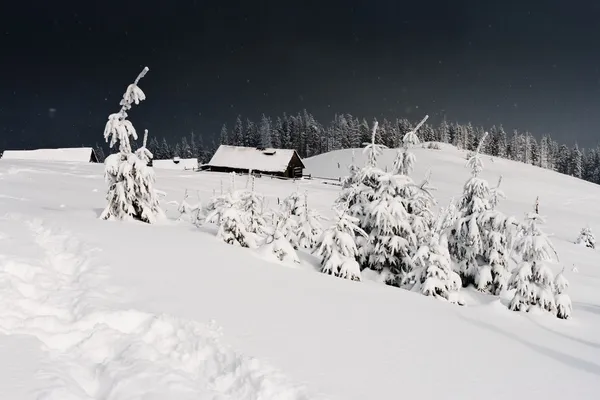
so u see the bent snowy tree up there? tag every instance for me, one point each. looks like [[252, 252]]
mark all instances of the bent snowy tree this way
[[131, 193]]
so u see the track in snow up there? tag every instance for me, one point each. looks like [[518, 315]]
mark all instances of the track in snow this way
[[51, 287]]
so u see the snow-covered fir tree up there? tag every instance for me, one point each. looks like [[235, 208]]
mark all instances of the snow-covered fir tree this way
[[478, 242], [276, 242], [432, 274], [391, 241], [417, 199], [465, 242], [586, 238], [309, 228], [497, 231], [337, 247], [564, 308], [533, 280], [131, 193]]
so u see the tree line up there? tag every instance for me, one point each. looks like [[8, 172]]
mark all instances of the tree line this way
[[309, 137]]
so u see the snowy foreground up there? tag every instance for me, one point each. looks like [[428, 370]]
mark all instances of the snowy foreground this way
[[91, 309]]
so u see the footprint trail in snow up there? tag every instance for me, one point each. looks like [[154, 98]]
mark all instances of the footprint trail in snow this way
[[52, 288]]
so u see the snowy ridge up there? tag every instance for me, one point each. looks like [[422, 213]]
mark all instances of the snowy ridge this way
[[101, 350]]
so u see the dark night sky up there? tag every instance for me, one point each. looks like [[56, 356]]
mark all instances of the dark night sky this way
[[532, 65]]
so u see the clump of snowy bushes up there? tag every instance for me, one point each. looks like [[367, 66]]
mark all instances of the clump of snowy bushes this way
[[384, 223]]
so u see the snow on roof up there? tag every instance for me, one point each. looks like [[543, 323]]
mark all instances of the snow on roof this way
[[176, 163], [77, 154], [267, 160]]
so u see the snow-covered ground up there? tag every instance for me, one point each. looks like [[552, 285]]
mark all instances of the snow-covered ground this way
[[93, 309]]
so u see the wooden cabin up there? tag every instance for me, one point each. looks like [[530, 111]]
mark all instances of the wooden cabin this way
[[278, 162]]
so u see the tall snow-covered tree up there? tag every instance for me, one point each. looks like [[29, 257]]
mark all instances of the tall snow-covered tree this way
[[465, 242], [544, 161], [252, 136], [563, 159], [444, 132], [576, 162], [165, 150], [131, 193], [479, 241], [337, 248], [224, 135], [186, 149], [237, 136], [533, 279], [264, 131]]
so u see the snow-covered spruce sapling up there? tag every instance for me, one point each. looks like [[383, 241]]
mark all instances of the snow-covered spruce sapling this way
[[309, 228], [359, 187], [586, 238], [432, 274], [496, 194], [191, 212], [405, 160], [497, 231], [564, 308], [337, 247], [533, 279], [292, 204], [252, 204], [373, 150], [225, 211], [477, 242], [277, 244], [131, 193], [391, 239]]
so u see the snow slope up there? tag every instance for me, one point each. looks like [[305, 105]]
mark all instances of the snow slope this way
[[131, 311]]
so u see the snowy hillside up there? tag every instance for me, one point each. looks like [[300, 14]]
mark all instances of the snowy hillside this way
[[96, 309]]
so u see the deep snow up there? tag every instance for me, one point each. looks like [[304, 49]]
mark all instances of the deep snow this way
[[125, 310]]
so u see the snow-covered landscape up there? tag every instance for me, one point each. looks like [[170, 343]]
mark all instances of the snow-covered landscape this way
[[349, 201], [96, 309]]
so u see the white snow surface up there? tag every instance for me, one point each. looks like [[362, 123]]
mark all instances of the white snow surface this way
[[75, 154], [93, 309], [178, 164], [266, 160]]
